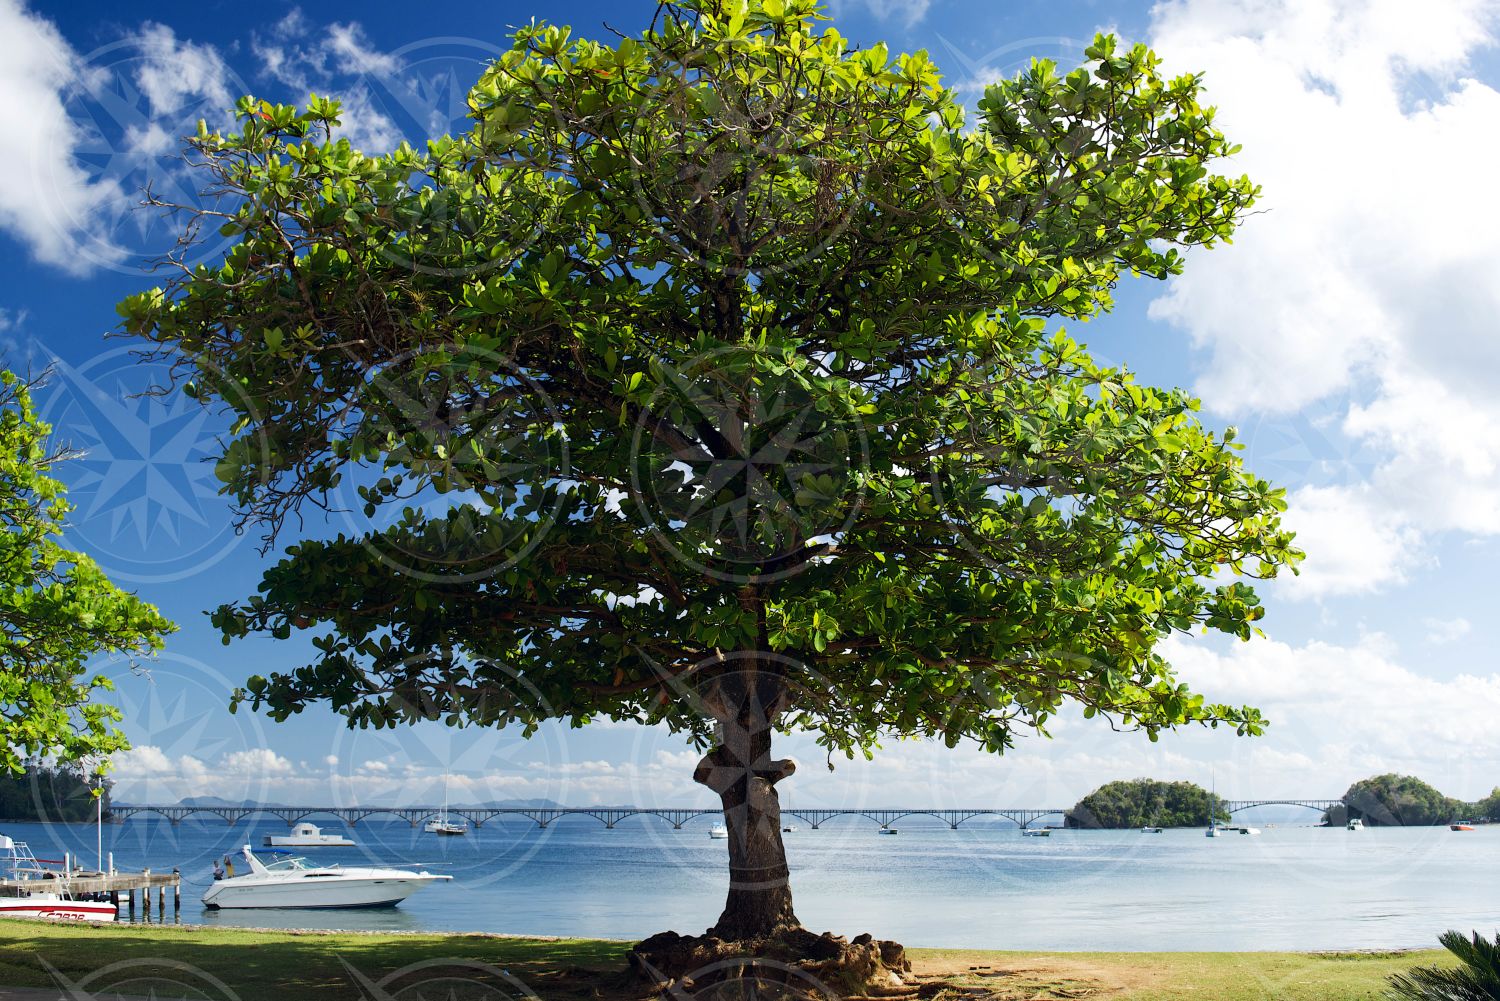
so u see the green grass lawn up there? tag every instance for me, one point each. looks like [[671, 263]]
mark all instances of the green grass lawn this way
[[187, 962]]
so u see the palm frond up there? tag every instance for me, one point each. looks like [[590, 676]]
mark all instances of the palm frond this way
[[1476, 979]]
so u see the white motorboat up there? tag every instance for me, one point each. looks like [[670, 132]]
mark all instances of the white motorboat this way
[[1036, 832], [291, 882], [1248, 830], [49, 897], [1150, 830], [307, 836], [719, 832], [1355, 824]]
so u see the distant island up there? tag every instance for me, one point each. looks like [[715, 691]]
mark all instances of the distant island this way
[[1146, 803], [1406, 801], [1389, 800]]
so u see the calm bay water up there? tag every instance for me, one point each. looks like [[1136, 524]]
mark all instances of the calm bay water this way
[[978, 887]]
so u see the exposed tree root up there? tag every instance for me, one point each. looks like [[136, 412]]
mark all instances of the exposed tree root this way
[[792, 964]]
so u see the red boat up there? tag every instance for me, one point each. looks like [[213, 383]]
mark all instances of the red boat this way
[[1460, 827], [30, 890]]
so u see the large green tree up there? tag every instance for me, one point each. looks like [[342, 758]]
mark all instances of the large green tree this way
[[58, 610], [713, 379]]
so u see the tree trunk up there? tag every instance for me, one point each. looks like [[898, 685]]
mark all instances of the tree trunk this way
[[758, 938], [741, 771]]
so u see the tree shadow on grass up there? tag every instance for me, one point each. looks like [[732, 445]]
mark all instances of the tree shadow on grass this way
[[105, 961]]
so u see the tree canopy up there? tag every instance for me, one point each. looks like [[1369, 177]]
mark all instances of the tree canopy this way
[[57, 608], [1147, 802], [716, 378], [50, 792]]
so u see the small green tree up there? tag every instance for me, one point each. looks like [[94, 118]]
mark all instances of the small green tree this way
[[709, 381], [57, 608]]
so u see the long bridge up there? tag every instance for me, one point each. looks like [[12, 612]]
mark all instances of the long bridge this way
[[609, 816]]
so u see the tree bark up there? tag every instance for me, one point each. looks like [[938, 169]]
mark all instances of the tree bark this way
[[744, 776], [758, 939]]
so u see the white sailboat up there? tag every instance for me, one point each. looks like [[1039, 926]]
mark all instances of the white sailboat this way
[[1214, 829], [442, 824]]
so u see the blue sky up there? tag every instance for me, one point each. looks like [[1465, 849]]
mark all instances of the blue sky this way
[[1348, 333]]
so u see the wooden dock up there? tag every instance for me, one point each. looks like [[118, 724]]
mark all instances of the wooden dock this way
[[109, 885]]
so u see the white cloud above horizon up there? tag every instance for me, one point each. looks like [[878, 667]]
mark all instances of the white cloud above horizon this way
[[1366, 280], [1338, 713]]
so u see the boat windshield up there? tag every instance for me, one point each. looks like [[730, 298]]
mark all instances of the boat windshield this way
[[288, 864]]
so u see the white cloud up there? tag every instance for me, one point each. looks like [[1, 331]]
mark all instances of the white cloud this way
[[905, 12], [124, 106], [1440, 631], [1368, 279], [44, 196], [355, 52], [296, 54], [1355, 710], [173, 73], [256, 762], [1354, 543]]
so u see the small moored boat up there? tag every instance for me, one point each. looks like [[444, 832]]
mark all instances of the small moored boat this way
[[719, 832], [307, 836], [1461, 825], [35, 891], [448, 828], [1354, 824], [1150, 830], [1036, 832], [887, 830]]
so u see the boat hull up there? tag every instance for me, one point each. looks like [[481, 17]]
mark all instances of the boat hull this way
[[53, 908], [314, 894], [272, 841]]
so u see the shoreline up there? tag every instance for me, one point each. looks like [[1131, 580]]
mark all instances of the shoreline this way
[[324, 965]]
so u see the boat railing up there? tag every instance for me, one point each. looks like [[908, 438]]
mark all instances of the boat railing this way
[[18, 862]]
